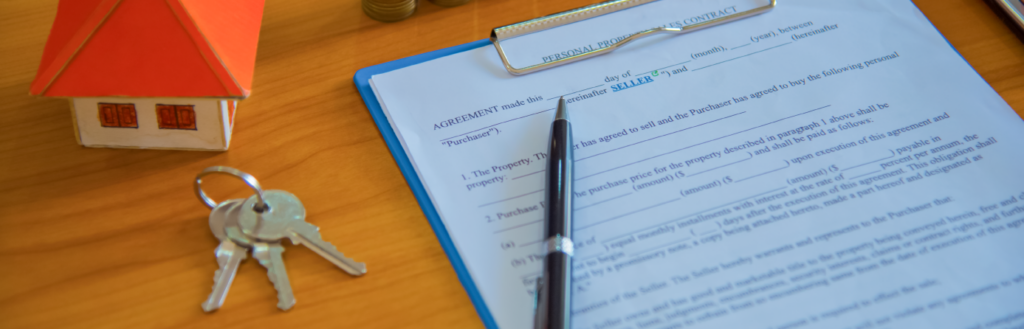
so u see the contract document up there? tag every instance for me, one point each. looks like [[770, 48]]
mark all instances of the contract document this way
[[827, 164]]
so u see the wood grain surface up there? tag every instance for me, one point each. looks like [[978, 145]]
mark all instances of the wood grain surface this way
[[109, 238]]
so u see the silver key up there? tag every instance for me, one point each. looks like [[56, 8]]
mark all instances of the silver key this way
[[286, 218], [269, 255], [218, 217], [229, 256], [233, 231]]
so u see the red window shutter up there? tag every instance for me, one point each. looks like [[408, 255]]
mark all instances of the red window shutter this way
[[108, 115], [126, 113], [166, 117], [186, 117]]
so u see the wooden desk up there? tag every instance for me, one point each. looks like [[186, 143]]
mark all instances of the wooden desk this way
[[115, 238]]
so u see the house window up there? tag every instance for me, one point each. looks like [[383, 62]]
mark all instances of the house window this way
[[118, 115], [176, 116]]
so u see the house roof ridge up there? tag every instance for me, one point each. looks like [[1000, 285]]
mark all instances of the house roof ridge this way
[[45, 77], [206, 49]]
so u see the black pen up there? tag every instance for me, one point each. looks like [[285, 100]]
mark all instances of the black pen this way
[[554, 289]]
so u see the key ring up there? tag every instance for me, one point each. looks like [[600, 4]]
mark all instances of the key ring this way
[[248, 179]]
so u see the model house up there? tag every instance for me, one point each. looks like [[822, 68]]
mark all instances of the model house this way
[[151, 73]]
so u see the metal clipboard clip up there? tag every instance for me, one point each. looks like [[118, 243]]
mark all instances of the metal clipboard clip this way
[[583, 13]]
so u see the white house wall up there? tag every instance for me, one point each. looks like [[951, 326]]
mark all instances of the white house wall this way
[[210, 133], [229, 120]]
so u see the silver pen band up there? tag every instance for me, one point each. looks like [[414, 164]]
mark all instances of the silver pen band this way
[[559, 243]]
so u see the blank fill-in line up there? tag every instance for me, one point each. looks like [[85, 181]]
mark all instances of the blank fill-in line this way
[[870, 162], [530, 243], [735, 58], [764, 173], [535, 172], [751, 157], [740, 46], [578, 91], [602, 201], [687, 216], [518, 226], [701, 143], [503, 200], [628, 213], [876, 171]]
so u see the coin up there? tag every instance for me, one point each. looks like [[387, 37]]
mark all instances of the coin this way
[[389, 10]]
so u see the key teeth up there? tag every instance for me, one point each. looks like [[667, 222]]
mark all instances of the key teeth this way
[[216, 277], [313, 238], [208, 305], [284, 301], [359, 267], [229, 256]]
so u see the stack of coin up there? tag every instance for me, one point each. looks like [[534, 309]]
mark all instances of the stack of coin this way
[[449, 3], [389, 10]]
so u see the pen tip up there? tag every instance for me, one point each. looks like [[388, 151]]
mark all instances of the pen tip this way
[[563, 110]]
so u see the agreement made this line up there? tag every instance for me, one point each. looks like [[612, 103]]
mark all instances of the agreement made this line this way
[[578, 91], [506, 121]]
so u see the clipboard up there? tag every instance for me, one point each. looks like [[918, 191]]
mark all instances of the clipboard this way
[[362, 81]]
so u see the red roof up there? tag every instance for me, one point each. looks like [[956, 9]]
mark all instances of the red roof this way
[[150, 48]]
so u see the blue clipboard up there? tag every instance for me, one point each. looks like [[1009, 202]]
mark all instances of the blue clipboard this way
[[362, 80]]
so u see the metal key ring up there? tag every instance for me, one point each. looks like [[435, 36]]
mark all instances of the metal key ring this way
[[248, 179]]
